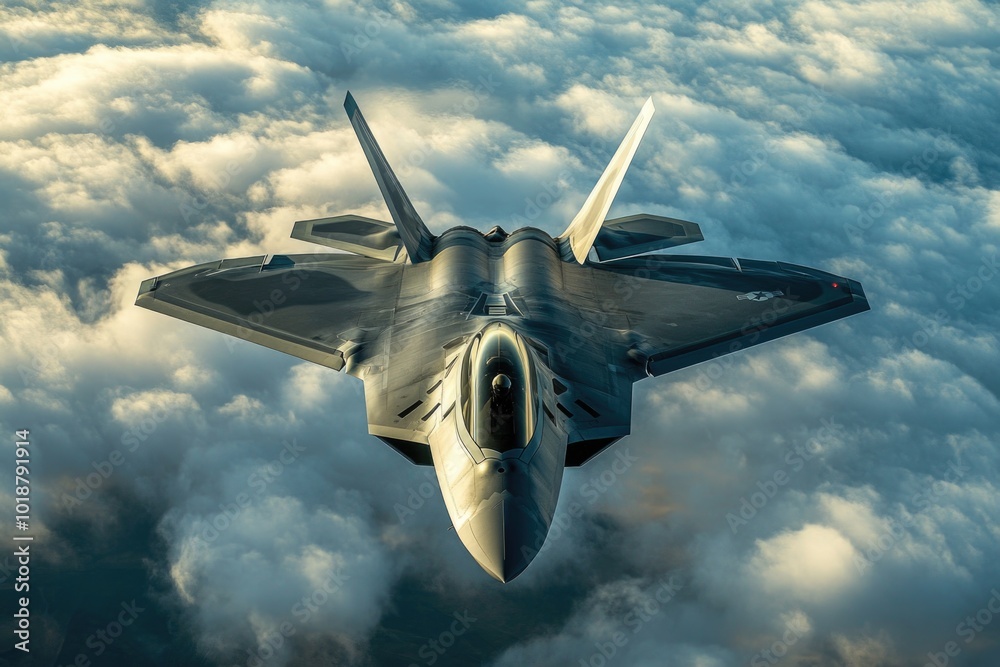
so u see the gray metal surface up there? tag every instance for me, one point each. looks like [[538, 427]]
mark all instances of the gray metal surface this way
[[431, 323]]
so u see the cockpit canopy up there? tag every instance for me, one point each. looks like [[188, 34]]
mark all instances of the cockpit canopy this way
[[498, 390]]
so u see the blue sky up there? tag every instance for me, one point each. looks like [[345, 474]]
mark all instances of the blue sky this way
[[859, 138]]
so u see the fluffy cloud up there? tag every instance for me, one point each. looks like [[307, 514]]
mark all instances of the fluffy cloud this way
[[138, 138]]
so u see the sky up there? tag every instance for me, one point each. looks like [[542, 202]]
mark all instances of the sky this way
[[830, 498]]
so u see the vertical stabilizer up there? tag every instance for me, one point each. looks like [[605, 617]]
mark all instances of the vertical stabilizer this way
[[417, 239], [587, 223]]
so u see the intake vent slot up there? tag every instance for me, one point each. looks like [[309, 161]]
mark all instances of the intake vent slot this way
[[409, 409], [558, 387], [591, 411], [548, 413], [563, 410], [453, 342], [428, 415]]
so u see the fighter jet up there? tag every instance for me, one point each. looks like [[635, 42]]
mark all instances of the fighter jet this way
[[501, 358]]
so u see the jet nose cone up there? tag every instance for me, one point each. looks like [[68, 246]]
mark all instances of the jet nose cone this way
[[504, 538]]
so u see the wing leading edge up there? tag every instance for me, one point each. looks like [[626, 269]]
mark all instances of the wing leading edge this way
[[683, 310], [628, 236], [309, 306], [416, 238], [584, 228]]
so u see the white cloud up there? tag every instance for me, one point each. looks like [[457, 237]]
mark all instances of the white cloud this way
[[813, 563], [858, 138]]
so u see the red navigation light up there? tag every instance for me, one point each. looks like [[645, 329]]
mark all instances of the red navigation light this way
[[835, 284]]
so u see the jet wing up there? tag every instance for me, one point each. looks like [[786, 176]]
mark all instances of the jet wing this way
[[316, 307], [682, 310], [341, 311]]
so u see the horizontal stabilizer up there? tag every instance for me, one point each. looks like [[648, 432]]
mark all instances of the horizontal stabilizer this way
[[639, 234], [417, 239], [353, 233]]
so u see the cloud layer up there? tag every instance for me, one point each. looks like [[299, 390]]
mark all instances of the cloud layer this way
[[829, 499]]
